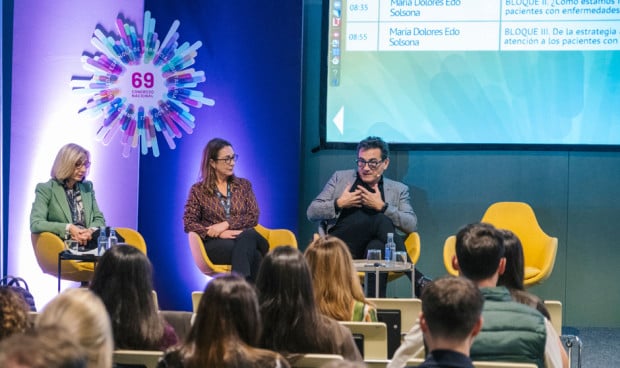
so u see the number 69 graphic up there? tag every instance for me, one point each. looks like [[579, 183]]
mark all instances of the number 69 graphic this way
[[137, 80]]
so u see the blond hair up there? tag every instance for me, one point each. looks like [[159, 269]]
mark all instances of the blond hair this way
[[84, 316], [67, 159], [335, 281]]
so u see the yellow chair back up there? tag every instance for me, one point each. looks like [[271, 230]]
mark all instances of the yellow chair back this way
[[132, 237], [375, 337], [539, 249], [146, 358]]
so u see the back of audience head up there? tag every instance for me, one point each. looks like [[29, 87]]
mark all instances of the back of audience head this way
[[84, 316], [513, 275], [479, 251], [227, 315], [227, 327], [123, 279], [335, 281], [13, 312], [44, 347], [287, 302], [451, 310]]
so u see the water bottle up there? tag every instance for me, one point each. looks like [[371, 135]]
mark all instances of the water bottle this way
[[390, 248], [112, 239], [102, 241]]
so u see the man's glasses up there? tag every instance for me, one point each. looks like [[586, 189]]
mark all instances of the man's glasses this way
[[79, 164], [228, 159], [372, 164]]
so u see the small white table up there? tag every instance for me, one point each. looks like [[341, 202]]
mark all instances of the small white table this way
[[368, 266]]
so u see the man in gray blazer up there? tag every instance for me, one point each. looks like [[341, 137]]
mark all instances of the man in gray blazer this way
[[361, 207]]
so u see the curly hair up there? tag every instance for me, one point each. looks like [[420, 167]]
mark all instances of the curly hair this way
[[13, 312]]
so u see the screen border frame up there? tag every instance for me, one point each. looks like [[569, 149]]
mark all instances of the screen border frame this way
[[324, 144]]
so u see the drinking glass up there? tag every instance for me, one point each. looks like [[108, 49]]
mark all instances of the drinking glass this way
[[72, 246], [373, 255], [401, 257]]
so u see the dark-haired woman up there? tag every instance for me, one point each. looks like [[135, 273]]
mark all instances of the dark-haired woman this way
[[292, 322], [222, 210], [123, 279], [226, 330]]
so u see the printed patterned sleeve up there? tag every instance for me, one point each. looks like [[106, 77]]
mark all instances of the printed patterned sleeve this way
[[192, 217]]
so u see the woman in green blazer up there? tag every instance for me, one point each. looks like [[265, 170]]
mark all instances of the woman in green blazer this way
[[66, 205]]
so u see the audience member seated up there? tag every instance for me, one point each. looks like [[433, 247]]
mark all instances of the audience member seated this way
[[511, 332], [226, 330], [44, 347], [337, 289], [66, 205], [123, 279], [83, 315], [450, 319], [292, 323], [513, 276], [13, 312], [222, 210]]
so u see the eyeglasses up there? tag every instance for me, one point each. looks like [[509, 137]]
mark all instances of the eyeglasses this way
[[372, 164], [228, 159], [79, 164]]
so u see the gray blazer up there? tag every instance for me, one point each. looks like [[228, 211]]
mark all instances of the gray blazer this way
[[396, 195]]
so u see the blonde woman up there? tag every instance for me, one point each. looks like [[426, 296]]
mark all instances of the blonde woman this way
[[66, 205], [82, 314], [337, 289]]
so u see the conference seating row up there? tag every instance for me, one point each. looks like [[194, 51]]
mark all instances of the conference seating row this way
[[376, 341], [379, 340], [180, 321], [539, 249]]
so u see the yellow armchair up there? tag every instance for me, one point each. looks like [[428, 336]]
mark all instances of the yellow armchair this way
[[47, 246], [275, 237], [539, 249]]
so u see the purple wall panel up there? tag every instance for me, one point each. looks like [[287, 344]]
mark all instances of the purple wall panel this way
[[49, 40]]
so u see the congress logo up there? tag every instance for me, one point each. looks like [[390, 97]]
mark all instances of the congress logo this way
[[141, 87]]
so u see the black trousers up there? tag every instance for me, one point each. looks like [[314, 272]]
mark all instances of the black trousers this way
[[244, 253], [364, 229]]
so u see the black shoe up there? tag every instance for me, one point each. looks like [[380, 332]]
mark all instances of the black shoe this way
[[420, 284]]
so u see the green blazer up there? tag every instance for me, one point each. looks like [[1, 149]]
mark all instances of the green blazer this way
[[50, 209]]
